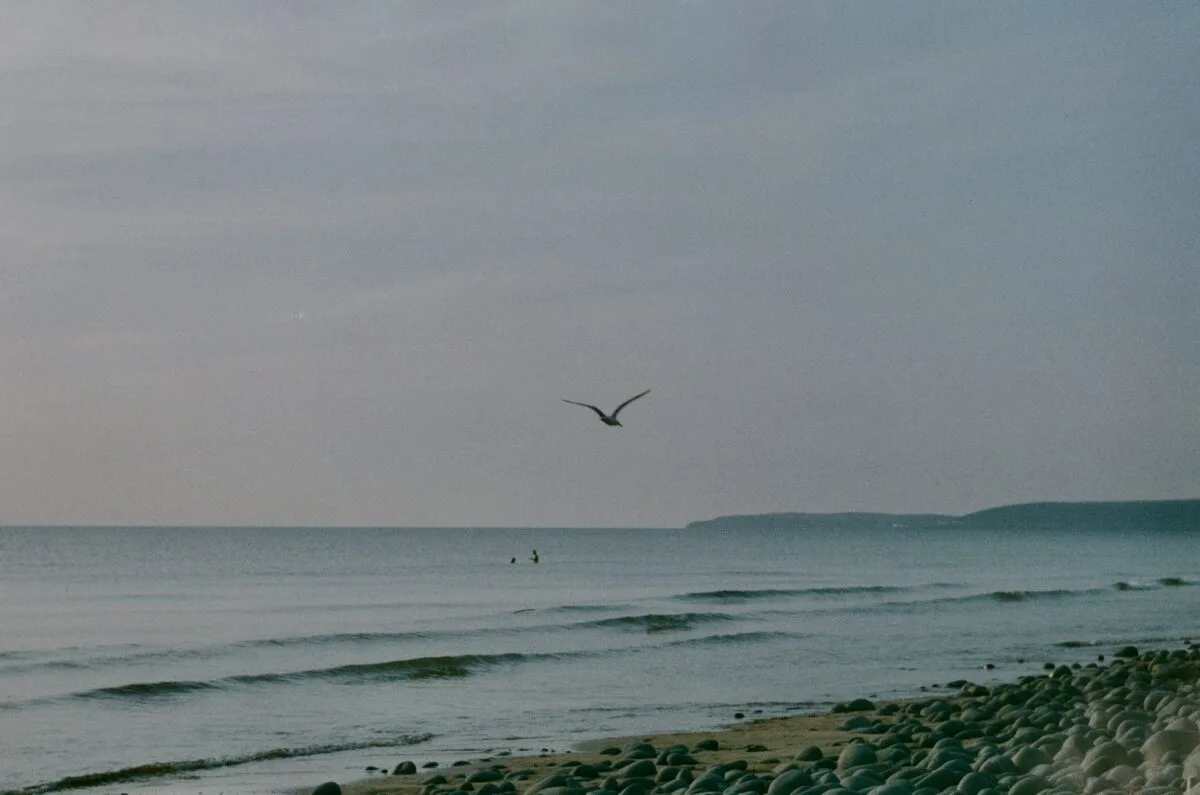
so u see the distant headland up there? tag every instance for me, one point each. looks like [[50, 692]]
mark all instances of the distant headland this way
[[1132, 515]]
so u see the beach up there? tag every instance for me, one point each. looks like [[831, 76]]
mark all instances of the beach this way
[[236, 660], [736, 742], [1129, 725]]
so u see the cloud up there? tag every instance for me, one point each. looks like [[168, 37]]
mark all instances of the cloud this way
[[292, 263]]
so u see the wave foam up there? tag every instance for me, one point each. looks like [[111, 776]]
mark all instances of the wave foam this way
[[164, 769]]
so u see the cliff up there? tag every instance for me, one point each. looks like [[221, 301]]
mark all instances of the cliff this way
[[1132, 515]]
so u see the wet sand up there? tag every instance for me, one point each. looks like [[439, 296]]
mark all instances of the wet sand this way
[[779, 737], [1131, 725]]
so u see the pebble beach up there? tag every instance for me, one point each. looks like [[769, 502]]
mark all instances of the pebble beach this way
[[1128, 724]]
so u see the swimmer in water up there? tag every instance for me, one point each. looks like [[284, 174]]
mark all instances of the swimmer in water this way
[[534, 556]]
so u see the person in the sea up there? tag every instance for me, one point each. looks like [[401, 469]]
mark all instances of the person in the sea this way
[[534, 556], [514, 560]]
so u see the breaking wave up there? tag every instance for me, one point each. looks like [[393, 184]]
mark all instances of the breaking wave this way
[[660, 622], [732, 595], [414, 669], [736, 638], [164, 769]]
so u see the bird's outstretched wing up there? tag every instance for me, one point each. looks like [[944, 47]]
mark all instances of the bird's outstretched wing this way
[[627, 402], [586, 406]]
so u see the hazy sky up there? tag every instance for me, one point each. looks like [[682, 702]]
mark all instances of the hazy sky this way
[[338, 263]]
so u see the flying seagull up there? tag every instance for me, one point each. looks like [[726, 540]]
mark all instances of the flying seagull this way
[[608, 419]]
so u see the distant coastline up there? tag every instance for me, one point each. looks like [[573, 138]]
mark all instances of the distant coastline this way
[[1132, 515]]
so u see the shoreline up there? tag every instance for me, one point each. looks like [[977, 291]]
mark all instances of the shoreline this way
[[734, 741], [1048, 732]]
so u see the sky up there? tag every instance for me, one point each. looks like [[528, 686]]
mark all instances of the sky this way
[[298, 263]]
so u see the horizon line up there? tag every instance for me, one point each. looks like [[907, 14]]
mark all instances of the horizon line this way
[[258, 526]]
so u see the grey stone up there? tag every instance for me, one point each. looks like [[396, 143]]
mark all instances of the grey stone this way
[[790, 781], [1027, 735], [1131, 716], [1164, 775], [1029, 757], [1071, 778], [1047, 771], [709, 782], [974, 783], [1103, 757], [664, 753], [1183, 724], [485, 775], [1073, 749], [1175, 741], [997, 766], [937, 710], [585, 771], [547, 782], [1191, 769], [896, 754], [639, 751], [906, 773], [640, 767], [1028, 785], [900, 787], [943, 776], [1121, 777], [404, 769], [750, 784], [856, 754], [861, 780], [950, 728]]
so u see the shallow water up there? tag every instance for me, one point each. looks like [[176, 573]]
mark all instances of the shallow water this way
[[251, 660]]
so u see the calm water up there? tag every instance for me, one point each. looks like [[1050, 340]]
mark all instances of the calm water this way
[[254, 660]]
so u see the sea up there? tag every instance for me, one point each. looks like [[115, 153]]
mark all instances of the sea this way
[[158, 660]]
